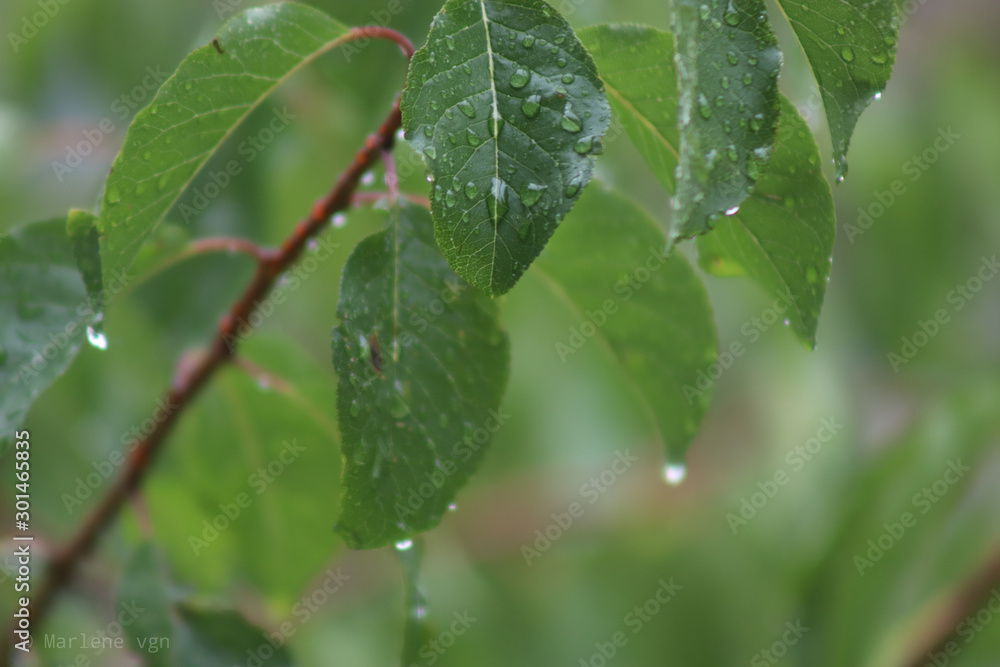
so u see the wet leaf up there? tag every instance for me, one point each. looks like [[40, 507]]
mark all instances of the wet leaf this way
[[506, 107], [43, 316], [727, 78], [196, 109], [422, 365], [851, 46], [651, 310], [783, 234]]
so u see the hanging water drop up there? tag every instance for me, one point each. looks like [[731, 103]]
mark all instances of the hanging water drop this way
[[674, 473], [97, 338], [404, 545], [732, 211], [368, 178], [339, 221]]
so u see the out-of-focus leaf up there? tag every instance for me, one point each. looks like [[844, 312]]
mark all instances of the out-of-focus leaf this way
[[198, 636], [783, 234], [651, 310], [228, 512], [196, 109], [851, 46], [506, 106], [636, 64], [416, 631], [727, 78], [423, 364], [43, 316]]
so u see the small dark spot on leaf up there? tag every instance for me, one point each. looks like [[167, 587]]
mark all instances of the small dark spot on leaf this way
[[376, 353], [218, 47]]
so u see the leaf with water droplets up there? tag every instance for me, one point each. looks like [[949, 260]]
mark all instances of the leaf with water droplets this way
[[783, 234], [443, 354], [851, 47], [81, 227], [196, 109], [716, 54], [537, 109], [636, 65], [43, 315], [650, 309]]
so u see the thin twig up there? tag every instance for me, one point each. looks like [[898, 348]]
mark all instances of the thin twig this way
[[226, 244], [194, 373]]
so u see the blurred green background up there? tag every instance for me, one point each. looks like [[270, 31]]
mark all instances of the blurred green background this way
[[792, 561]]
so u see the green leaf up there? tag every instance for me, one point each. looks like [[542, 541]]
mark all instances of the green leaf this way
[[81, 226], [506, 107], [229, 512], [144, 587], [652, 311], [727, 77], [783, 234], [194, 111], [637, 67], [422, 363], [198, 636], [851, 47], [43, 316]]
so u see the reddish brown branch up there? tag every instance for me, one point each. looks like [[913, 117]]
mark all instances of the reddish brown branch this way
[[941, 636], [193, 372], [226, 244]]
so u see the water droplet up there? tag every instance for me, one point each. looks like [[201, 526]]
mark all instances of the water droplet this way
[[561, 62], [568, 79], [473, 138], [339, 221], [520, 78], [471, 191], [450, 42], [757, 122], [572, 189], [452, 507], [725, 82], [467, 69], [704, 12], [732, 58], [841, 31], [97, 338], [465, 106], [528, 41], [404, 545], [732, 211], [430, 152], [812, 275], [496, 126], [732, 153], [877, 96], [559, 39], [570, 121], [368, 178], [879, 58], [747, 79], [674, 473], [163, 182], [450, 198], [531, 193], [188, 86], [584, 145], [847, 53], [531, 106], [428, 130], [703, 108]]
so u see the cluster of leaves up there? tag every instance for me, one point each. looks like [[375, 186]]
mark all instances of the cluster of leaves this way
[[509, 108]]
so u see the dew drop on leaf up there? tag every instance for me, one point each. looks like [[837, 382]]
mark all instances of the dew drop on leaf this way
[[520, 78], [674, 473]]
